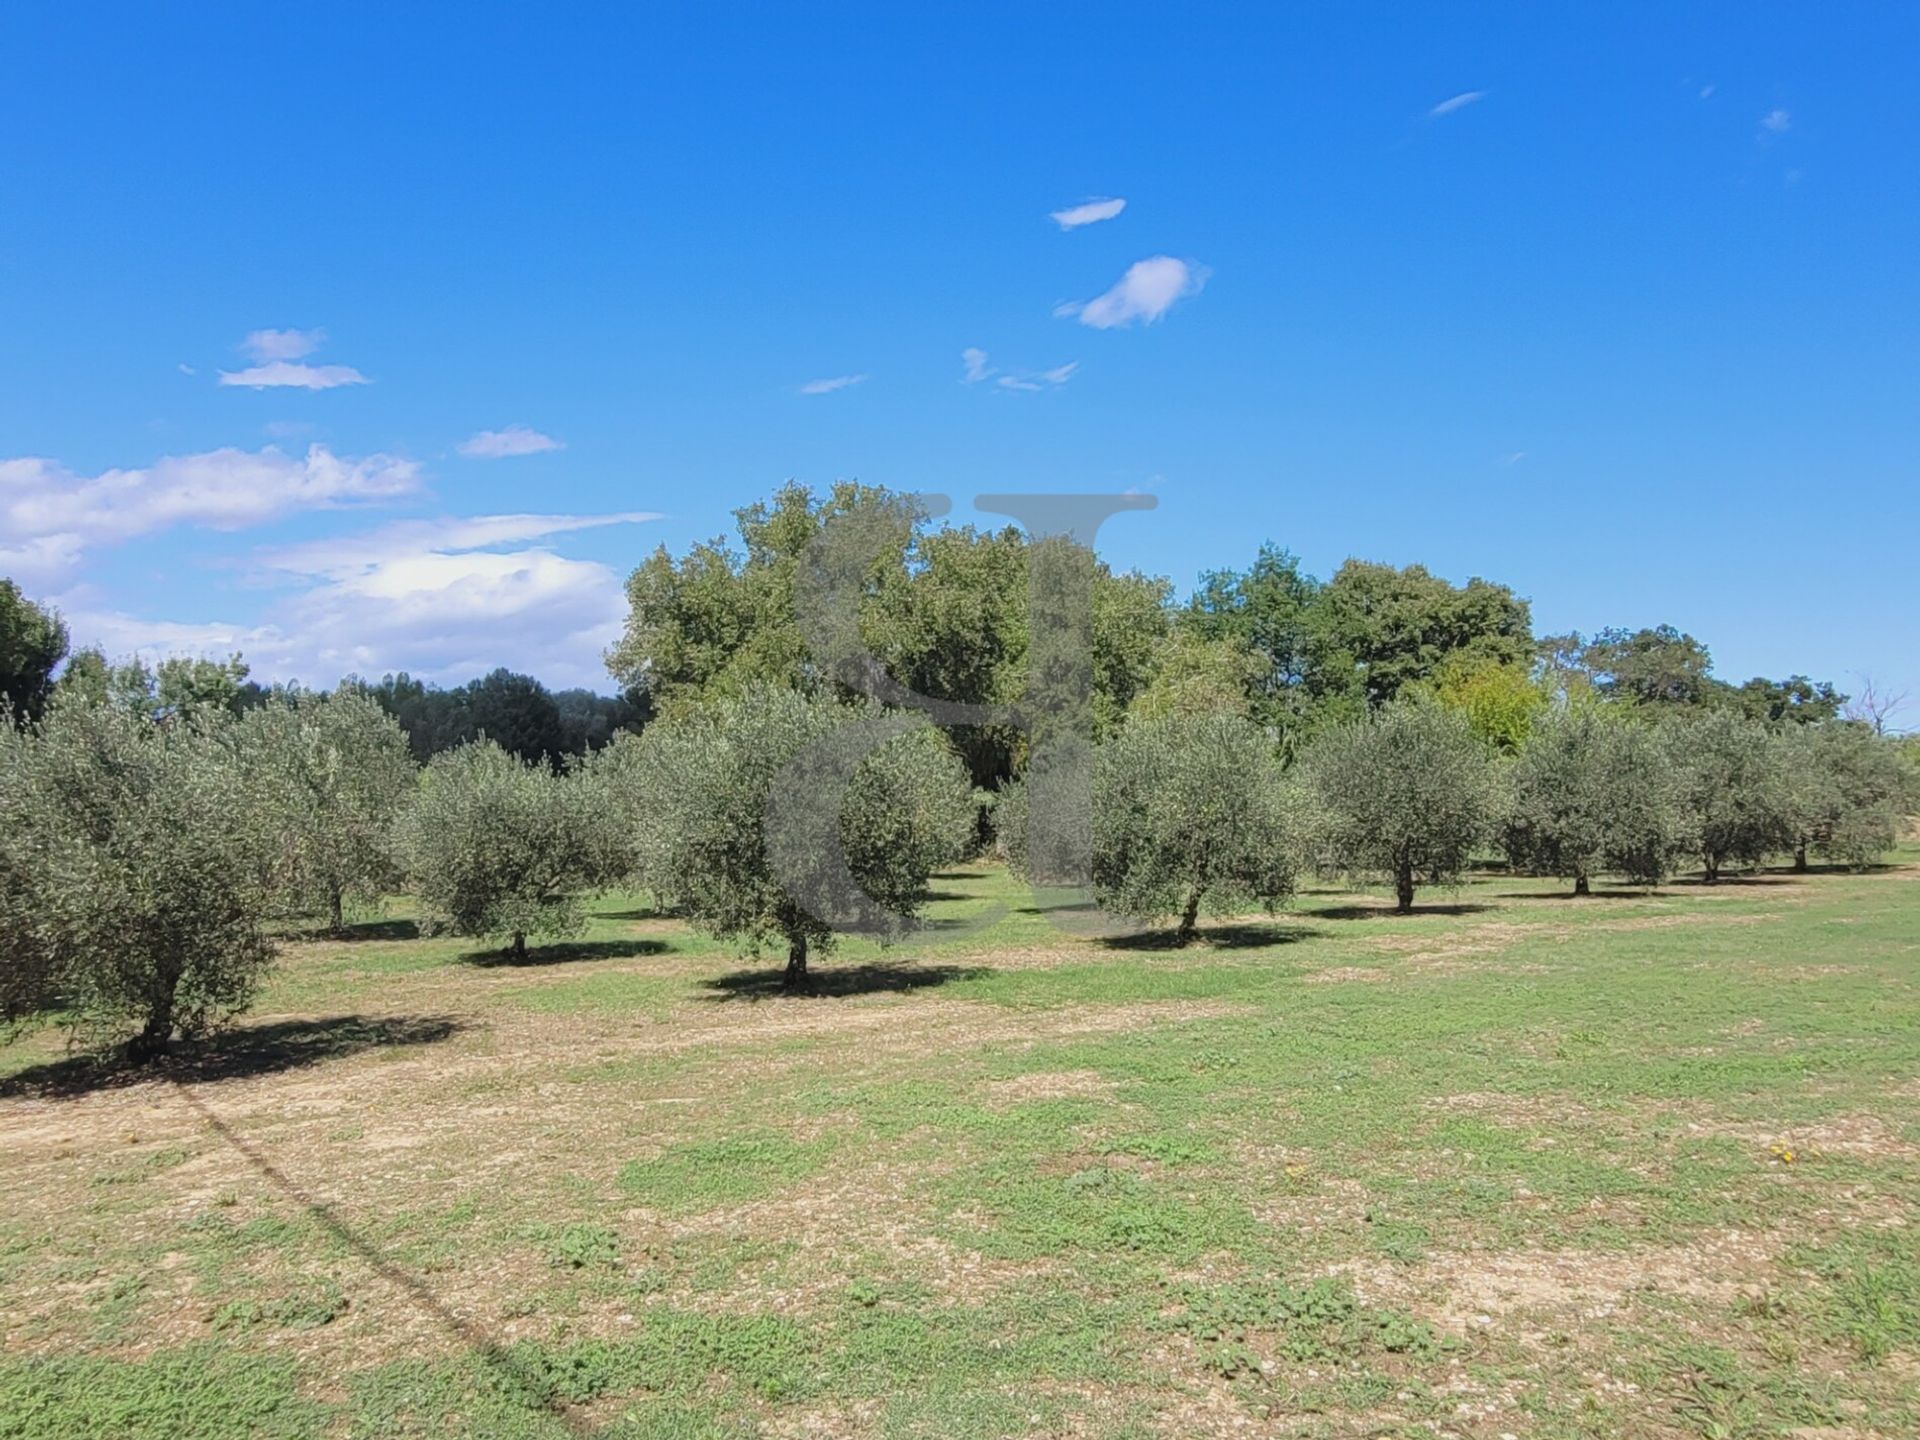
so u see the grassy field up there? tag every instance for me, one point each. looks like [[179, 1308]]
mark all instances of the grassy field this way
[[1642, 1165]]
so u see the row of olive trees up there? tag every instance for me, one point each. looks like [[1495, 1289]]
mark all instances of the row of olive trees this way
[[145, 855], [1193, 813]]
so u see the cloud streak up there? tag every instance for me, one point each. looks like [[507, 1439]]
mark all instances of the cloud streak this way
[[1091, 212], [501, 444], [1145, 293], [828, 386], [1457, 102]]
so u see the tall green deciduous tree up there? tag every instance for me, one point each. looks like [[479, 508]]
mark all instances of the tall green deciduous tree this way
[[1392, 628], [1736, 793], [1593, 794], [33, 641], [1851, 791], [139, 869], [497, 846], [1190, 812], [1403, 795], [1501, 701], [338, 770], [750, 820]]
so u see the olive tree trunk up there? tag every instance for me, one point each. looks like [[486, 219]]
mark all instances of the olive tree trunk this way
[[796, 975], [1403, 887]]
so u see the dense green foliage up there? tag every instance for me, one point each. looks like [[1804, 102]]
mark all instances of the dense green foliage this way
[[746, 838], [516, 712], [1403, 795], [139, 861], [1851, 792], [337, 771], [1190, 812], [1593, 794], [497, 846], [33, 641], [1735, 787]]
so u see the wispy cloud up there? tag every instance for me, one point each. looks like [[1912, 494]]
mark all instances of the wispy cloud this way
[[1039, 379], [352, 554], [1706, 91], [264, 345], [50, 516], [282, 373], [974, 365], [828, 386], [1457, 102], [1090, 212], [1776, 122], [1145, 293], [514, 440], [276, 355]]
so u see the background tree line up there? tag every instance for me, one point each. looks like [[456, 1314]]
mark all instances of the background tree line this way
[[160, 827]]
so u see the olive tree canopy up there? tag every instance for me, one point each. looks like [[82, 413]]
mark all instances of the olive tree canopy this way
[[1593, 793], [745, 836], [500, 846], [1403, 795], [138, 867], [1190, 812]]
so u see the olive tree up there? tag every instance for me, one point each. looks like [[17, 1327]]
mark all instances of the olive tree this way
[[338, 769], [1851, 792], [1190, 812], [1736, 797], [497, 846], [1592, 793], [774, 816], [137, 868], [1403, 795]]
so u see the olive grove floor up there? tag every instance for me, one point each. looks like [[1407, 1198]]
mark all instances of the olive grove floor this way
[[1640, 1165]]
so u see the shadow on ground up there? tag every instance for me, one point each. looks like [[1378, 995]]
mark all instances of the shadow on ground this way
[[835, 982], [1387, 912], [264, 1049], [1567, 897], [566, 953], [1229, 935], [363, 931]]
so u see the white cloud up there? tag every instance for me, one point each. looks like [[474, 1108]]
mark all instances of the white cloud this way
[[976, 368], [284, 373], [428, 597], [1092, 212], [47, 511], [1457, 102], [276, 354], [1706, 91], [264, 345], [1776, 122], [355, 553], [827, 387], [1039, 379], [514, 440], [1145, 293]]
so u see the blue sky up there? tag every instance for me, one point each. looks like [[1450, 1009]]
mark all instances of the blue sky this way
[[1618, 307]]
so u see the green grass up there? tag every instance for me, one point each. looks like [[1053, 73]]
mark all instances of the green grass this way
[[1340, 1170]]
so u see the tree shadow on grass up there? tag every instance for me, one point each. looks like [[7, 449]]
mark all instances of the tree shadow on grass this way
[[1227, 935], [265, 1049], [367, 930], [1387, 912], [836, 982], [1736, 882], [565, 953], [1567, 897]]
